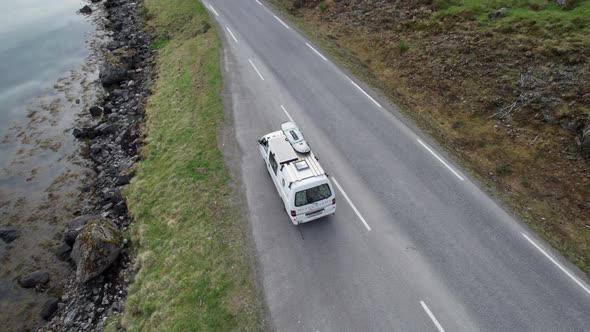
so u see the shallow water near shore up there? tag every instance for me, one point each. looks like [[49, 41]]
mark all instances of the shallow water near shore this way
[[48, 79]]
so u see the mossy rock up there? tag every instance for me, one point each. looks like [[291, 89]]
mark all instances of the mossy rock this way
[[98, 245]]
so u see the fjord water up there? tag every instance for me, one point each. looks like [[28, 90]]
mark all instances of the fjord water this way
[[44, 68], [40, 40]]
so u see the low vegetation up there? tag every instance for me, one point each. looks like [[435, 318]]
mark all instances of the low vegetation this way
[[193, 269], [502, 84]]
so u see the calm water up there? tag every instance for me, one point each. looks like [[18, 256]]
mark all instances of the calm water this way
[[40, 40], [44, 68]]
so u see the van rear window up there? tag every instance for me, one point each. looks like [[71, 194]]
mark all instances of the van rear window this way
[[312, 195]]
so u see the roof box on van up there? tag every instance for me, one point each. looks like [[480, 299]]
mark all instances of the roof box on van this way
[[295, 137]]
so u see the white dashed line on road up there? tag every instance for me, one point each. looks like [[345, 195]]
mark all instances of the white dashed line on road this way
[[253, 66], [213, 10], [431, 315], [351, 204], [366, 94], [283, 23], [440, 159], [316, 52], [232, 34], [287, 113], [563, 269]]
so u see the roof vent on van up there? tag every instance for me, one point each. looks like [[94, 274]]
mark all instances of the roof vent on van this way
[[301, 165]]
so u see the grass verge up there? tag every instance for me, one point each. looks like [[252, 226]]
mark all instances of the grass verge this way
[[193, 269]]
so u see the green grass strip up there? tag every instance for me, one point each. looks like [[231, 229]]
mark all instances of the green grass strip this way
[[192, 257]]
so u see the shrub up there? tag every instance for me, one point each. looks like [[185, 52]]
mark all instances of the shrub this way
[[402, 46], [504, 169]]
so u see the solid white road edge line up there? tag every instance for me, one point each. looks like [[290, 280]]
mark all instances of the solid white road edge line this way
[[563, 269], [232, 35], [316, 52], [440, 159], [351, 204], [213, 10], [252, 63], [289, 116], [429, 313], [260, 3], [366, 94], [283, 23]]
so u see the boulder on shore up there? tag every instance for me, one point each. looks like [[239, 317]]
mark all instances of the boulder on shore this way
[[49, 308], [8, 234], [75, 226], [86, 10], [63, 252], [33, 279], [114, 69], [97, 246], [95, 111]]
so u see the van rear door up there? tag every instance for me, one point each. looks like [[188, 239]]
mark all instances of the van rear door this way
[[313, 198]]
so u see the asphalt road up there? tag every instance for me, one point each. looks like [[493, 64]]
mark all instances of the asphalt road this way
[[415, 245]]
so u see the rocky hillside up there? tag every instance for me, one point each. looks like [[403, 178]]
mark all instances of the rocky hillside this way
[[504, 84]]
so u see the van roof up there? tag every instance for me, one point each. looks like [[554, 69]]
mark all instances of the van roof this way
[[299, 166], [282, 149]]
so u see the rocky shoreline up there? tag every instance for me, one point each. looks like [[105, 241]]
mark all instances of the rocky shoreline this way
[[102, 260]]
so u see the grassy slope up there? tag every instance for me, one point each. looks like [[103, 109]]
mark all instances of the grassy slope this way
[[456, 127], [193, 269], [547, 14]]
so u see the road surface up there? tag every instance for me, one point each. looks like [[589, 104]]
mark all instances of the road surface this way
[[415, 245]]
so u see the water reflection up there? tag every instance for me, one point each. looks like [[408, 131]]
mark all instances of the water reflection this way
[[39, 42]]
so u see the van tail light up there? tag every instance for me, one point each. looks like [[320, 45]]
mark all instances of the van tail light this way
[[334, 201], [293, 213]]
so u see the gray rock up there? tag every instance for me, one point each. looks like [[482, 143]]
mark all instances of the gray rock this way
[[95, 148], [75, 226], [115, 196], [95, 111], [49, 308], [98, 245], [104, 129], [123, 180], [63, 252], [498, 13], [85, 132], [78, 133], [119, 92], [86, 10], [8, 234], [33, 279], [112, 73], [70, 317], [108, 109]]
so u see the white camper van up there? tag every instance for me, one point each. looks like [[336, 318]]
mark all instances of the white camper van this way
[[300, 180]]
